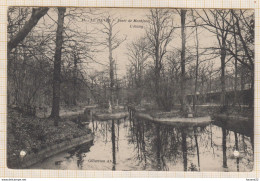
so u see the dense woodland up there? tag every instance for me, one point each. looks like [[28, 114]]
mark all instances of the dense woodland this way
[[48, 60]]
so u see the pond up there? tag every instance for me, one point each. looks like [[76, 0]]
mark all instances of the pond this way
[[143, 145]]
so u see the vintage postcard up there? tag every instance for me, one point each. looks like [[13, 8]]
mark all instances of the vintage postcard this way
[[130, 89]]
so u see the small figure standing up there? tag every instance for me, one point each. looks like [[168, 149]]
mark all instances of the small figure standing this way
[[109, 107], [189, 111], [117, 104]]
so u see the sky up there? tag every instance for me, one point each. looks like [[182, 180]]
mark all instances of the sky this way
[[129, 27], [132, 28]]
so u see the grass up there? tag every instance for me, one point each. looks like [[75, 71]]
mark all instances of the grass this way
[[31, 134]]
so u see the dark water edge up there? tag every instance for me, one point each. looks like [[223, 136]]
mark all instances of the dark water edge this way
[[143, 145]]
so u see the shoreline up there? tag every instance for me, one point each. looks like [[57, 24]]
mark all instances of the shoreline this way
[[31, 159], [173, 116], [40, 139]]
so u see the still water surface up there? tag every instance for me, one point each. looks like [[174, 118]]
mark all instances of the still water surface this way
[[143, 145]]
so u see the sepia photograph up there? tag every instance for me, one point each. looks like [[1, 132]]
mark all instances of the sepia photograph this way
[[130, 89]]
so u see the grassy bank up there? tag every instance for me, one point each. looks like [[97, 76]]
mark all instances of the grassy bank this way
[[201, 110], [32, 134]]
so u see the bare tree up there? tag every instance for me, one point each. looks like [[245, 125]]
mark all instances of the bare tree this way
[[236, 52], [57, 66], [197, 61], [159, 34], [218, 22], [244, 29], [112, 42], [183, 60], [235, 33], [138, 56], [28, 67], [241, 47], [37, 13]]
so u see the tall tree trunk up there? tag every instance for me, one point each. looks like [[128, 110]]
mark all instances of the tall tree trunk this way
[[57, 67], [183, 80], [235, 88], [222, 78], [251, 101], [111, 68], [75, 80], [242, 78], [157, 67], [157, 86], [197, 66], [116, 87]]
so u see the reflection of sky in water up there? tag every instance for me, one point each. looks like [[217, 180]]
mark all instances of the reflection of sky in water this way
[[141, 145]]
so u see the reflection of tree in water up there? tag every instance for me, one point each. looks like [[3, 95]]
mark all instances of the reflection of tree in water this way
[[236, 147], [233, 140], [239, 136], [161, 147], [80, 153], [137, 138], [158, 145], [184, 149], [197, 148], [113, 145], [224, 146], [104, 129], [101, 129]]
